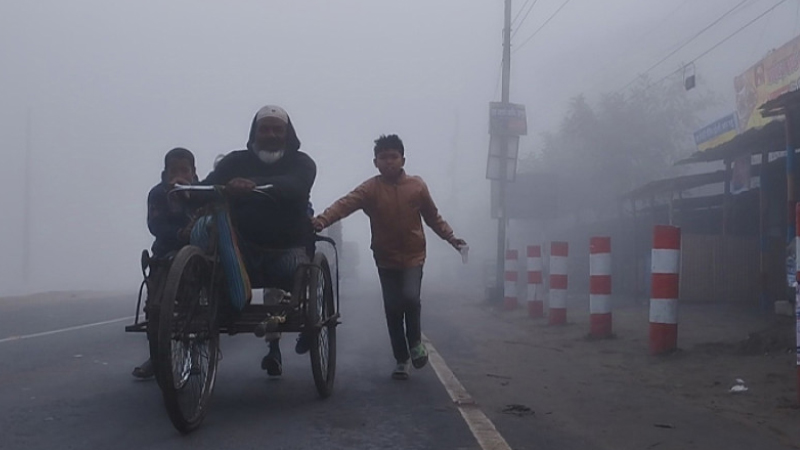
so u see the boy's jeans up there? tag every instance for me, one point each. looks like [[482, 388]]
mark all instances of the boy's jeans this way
[[401, 288]]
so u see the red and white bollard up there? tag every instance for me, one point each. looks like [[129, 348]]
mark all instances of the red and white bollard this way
[[797, 294], [510, 286], [535, 301], [559, 252], [665, 265], [600, 286]]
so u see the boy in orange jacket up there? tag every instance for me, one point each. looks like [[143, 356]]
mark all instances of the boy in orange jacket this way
[[396, 204]]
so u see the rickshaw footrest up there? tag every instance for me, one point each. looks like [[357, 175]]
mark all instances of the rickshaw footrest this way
[[137, 327]]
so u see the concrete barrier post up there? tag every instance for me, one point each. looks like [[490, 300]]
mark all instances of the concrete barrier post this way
[[559, 254], [665, 286], [600, 287]]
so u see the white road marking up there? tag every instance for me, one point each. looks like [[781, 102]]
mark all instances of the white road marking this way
[[482, 428], [64, 330]]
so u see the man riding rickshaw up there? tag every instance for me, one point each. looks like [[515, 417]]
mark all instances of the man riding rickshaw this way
[[275, 230]]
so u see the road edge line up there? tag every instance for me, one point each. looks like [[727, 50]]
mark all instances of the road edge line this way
[[63, 330], [479, 424]]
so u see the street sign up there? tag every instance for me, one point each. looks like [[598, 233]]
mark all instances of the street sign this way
[[507, 119], [494, 165], [494, 169], [496, 150]]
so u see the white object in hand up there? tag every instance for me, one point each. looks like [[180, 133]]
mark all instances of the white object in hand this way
[[464, 250]]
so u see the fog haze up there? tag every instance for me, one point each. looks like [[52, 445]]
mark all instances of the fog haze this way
[[98, 91]]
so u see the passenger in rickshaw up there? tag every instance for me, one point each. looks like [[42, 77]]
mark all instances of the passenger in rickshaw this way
[[274, 231], [169, 221]]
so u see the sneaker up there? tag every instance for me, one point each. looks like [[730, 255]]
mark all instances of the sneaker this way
[[272, 363], [302, 346], [144, 371], [401, 371], [419, 356]]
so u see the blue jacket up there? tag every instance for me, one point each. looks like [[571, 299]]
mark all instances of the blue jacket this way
[[165, 219]]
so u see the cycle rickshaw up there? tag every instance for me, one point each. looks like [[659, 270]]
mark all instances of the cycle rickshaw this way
[[189, 306]]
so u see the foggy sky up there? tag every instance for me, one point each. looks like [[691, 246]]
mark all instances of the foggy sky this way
[[111, 86]]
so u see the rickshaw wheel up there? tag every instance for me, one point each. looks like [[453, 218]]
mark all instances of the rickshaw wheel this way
[[188, 339], [320, 305]]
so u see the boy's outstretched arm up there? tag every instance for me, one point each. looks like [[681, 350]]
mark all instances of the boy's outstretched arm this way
[[343, 207], [431, 216]]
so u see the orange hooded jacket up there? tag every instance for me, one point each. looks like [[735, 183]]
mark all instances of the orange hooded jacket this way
[[395, 212]]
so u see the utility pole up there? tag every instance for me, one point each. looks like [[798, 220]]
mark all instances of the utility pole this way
[[26, 225], [502, 221]]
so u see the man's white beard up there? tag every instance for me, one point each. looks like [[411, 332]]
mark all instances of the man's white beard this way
[[269, 157]]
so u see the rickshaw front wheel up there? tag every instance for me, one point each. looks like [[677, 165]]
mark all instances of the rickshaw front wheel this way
[[188, 338]]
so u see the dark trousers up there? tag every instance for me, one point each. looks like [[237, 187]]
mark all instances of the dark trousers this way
[[401, 288]]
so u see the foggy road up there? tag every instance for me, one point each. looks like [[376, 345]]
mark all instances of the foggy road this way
[[531, 123], [73, 389]]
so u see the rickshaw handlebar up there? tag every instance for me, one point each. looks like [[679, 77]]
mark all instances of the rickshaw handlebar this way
[[193, 187]]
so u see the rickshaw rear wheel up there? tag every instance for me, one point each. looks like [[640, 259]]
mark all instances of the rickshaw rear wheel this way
[[154, 285]]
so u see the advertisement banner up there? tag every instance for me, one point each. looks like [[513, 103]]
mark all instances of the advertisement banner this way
[[717, 133], [774, 75]]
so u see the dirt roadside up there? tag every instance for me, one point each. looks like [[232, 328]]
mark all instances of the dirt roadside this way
[[611, 392]]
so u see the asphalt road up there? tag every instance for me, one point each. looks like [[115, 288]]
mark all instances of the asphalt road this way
[[65, 385], [73, 389]]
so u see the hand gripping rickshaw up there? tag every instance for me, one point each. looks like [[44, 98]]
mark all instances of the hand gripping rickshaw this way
[[190, 304]]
